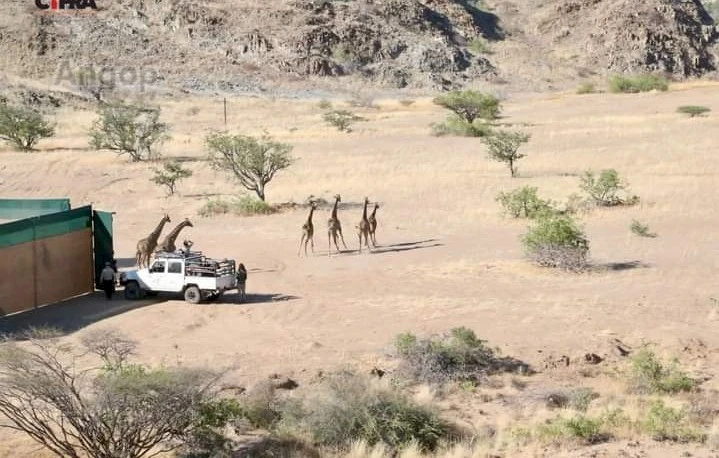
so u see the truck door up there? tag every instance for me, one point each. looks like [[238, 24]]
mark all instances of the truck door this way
[[155, 275], [174, 278]]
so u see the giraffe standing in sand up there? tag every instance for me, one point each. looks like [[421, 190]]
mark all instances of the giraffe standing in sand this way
[[363, 227], [373, 225], [334, 227], [308, 231], [146, 246], [168, 245]]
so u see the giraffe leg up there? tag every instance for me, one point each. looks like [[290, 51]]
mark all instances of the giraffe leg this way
[[300, 248], [334, 236], [312, 243], [307, 239], [343, 239], [360, 242], [329, 243]]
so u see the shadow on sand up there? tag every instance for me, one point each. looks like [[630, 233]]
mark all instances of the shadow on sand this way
[[256, 298], [620, 266], [407, 246], [73, 314]]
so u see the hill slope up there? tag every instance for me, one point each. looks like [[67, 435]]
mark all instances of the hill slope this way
[[438, 44]]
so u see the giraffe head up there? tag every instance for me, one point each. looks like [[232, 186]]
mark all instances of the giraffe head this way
[[338, 198], [166, 218], [187, 222], [313, 204], [366, 200]]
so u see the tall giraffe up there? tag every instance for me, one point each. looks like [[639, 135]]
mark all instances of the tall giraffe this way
[[308, 230], [146, 246], [334, 227], [168, 245], [373, 225], [363, 227]]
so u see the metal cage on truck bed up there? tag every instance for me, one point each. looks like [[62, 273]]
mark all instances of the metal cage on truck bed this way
[[197, 265]]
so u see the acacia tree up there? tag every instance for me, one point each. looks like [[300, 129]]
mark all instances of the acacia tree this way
[[169, 175], [470, 105], [253, 161], [117, 410], [504, 147], [23, 127], [129, 129]]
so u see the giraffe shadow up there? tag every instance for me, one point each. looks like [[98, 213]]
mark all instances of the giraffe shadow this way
[[406, 246]]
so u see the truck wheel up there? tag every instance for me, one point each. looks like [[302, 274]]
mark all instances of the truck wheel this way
[[133, 291], [193, 295]]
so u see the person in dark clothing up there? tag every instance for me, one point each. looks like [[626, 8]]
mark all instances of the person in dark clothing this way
[[241, 280], [107, 278]]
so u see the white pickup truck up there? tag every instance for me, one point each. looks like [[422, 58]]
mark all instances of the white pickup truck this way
[[198, 278]]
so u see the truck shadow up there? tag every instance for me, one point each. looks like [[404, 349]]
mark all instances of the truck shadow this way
[[73, 314], [257, 298]]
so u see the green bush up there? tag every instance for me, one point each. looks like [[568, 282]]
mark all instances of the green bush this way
[[346, 408], [23, 127], [342, 119], [650, 375], [637, 83], [642, 230], [604, 189], [470, 105], [324, 104], [242, 206], [456, 126], [586, 88], [169, 175], [693, 110], [582, 428], [524, 203], [557, 241], [666, 423], [457, 356], [479, 46]]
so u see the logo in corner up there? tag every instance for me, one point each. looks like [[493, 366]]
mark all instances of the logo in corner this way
[[59, 5]]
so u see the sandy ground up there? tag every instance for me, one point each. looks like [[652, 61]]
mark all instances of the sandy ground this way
[[446, 256]]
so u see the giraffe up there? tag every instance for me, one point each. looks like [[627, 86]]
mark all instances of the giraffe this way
[[308, 230], [334, 227], [168, 245], [373, 225], [363, 227], [146, 246]]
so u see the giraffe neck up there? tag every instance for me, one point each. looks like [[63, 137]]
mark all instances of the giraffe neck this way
[[364, 211], [156, 233], [309, 218], [374, 211], [173, 235], [334, 209]]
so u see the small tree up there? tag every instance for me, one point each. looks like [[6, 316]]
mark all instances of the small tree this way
[[23, 127], [693, 110], [115, 410], [341, 119], [129, 129], [557, 241], [524, 203], [504, 147], [254, 162], [603, 190], [169, 175], [470, 105]]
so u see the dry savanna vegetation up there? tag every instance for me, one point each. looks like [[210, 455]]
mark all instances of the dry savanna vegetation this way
[[541, 284]]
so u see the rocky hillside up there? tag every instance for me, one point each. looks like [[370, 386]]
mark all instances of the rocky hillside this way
[[434, 44]]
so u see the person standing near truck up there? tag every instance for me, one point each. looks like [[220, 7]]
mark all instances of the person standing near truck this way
[[241, 280], [107, 278]]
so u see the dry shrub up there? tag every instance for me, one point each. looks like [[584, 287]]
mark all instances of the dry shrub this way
[[557, 241]]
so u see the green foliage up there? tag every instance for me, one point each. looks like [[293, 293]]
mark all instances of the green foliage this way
[[666, 423], [456, 126], [253, 161], [637, 83], [346, 408], [693, 110], [586, 88], [457, 356], [557, 241], [470, 105], [129, 129], [582, 428], [169, 175], [650, 375], [642, 230], [241, 206], [504, 147], [524, 203], [23, 127], [324, 104], [342, 119], [604, 189], [479, 46]]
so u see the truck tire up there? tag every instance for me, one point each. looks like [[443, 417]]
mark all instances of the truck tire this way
[[133, 291], [193, 295]]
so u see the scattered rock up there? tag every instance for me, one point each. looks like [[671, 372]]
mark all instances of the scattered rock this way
[[377, 372], [283, 383], [556, 400], [593, 358], [622, 351]]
